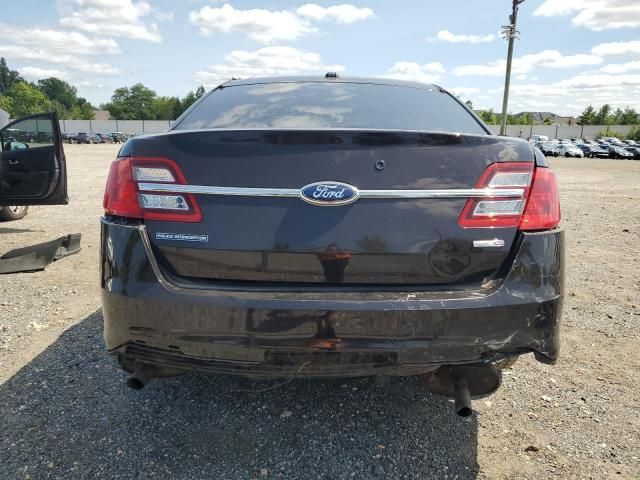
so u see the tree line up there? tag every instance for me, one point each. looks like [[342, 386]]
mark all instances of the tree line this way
[[491, 118], [20, 98], [605, 115]]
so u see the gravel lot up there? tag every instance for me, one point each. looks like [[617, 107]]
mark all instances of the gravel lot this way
[[65, 411]]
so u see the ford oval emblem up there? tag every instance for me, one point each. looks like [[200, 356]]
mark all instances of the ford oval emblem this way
[[329, 194]]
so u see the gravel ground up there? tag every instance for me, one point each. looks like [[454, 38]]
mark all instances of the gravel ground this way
[[66, 413]]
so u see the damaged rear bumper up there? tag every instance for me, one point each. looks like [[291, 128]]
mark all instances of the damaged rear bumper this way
[[231, 328]]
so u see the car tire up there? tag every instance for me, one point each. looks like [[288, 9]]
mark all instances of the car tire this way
[[567, 155], [8, 214]]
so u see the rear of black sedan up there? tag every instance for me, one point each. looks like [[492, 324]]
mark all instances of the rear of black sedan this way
[[331, 227]]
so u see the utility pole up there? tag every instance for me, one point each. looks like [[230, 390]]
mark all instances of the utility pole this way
[[510, 33]]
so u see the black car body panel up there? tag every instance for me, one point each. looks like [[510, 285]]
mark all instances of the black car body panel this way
[[262, 280], [244, 329], [411, 241]]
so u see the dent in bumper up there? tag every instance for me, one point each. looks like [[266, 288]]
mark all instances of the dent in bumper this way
[[517, 314]]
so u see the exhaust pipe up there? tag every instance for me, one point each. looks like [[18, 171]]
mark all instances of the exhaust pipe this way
[[462, 397], [463, 381], [140, 376]]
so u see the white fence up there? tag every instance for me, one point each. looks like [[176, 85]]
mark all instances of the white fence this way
[[560, 131], [522, 131], [106, 126]]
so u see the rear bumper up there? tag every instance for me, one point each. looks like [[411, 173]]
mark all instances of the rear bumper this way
[[150, 316]]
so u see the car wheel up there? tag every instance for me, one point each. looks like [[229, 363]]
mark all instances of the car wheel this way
[[567, 155], [555, 154], [8, 214]]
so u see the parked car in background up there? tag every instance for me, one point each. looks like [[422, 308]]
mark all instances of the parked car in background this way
[[631, 143], [606, 147], [548, 149], [105, 138], [84, 137], [612, 141], [68, 137], [569, 150], [539, 139], [118, 137], [620, 153], [635, 151], [592, 150], [428, 253]]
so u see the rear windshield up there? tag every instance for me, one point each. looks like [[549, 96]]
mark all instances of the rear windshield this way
[[330, 105]]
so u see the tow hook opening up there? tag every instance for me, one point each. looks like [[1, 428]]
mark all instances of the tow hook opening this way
[[141, 375], [462, 383]]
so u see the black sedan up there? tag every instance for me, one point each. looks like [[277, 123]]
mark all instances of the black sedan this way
[[548, 149], [328, 227], [635, 151], [593, 150], [620, 153]]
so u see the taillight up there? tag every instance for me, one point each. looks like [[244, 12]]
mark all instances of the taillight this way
[[538, 208], [123, 197], [498, 211], [543, 205]]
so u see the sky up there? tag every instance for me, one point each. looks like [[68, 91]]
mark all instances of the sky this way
[[570, 53]]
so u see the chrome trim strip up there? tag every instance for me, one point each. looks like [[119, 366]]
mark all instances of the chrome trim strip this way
[[295, 192], [231, 191], [445, 193]]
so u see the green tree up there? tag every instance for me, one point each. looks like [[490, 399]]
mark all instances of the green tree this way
[[26, 99], [82, 110], [134, 103], [634, 134], [6, 103], [588, 116], [603, 117], [616, 117], [167, 108], [8, 77], [547, 121], [629, 117], [488, 116], [59, 91], [526, 119], [191, 97]]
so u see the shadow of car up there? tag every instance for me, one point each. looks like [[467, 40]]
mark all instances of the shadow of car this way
[[67, 413]]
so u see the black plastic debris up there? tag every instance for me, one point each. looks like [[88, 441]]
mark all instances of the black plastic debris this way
[[37, 257]]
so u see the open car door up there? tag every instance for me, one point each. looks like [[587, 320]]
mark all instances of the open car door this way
[[32, 164]]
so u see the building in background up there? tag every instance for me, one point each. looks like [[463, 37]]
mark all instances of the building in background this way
[[101, 115]]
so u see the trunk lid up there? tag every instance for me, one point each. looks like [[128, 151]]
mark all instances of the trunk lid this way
[[370, 241]]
